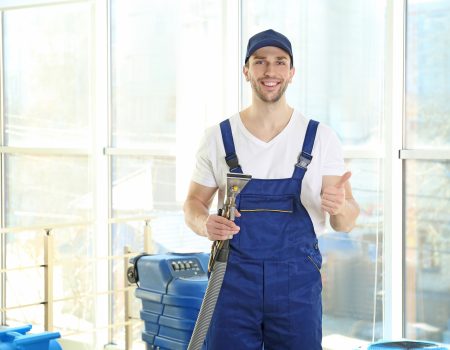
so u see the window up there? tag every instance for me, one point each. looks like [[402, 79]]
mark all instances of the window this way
[[174, 68], [48, 53], [47, 169], [427, 169]]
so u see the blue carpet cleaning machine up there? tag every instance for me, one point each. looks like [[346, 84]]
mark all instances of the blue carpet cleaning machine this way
[[404, 345], [171, 288], [178, 298], [18, 338]]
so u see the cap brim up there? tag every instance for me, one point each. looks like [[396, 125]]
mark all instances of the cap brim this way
[[269, 42]]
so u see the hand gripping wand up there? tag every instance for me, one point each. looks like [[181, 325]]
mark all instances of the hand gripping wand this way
[[217, 262]]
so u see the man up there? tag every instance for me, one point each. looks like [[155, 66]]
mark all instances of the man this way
[[271, 294]]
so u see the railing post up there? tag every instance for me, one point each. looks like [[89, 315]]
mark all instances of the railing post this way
[[148, 239], [128, 324], [48, 267]]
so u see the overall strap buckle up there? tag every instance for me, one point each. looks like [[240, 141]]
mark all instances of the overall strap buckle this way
[[303, 160], [232, 161]]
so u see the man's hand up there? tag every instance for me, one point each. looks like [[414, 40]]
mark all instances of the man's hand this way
[[333, 197], [218, 228]]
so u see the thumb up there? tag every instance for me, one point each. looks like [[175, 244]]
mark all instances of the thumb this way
[[344, 178]]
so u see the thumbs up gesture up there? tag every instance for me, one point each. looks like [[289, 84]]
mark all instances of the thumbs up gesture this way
[[333, 196]]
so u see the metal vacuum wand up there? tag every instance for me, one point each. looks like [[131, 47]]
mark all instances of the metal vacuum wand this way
[[235, 184]]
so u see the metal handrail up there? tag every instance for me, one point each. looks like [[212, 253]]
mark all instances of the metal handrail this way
[[49, 264]]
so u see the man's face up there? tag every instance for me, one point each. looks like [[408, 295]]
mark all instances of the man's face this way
[[269, 73]]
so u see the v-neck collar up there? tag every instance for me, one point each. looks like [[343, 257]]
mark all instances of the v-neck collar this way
[[258, 141]]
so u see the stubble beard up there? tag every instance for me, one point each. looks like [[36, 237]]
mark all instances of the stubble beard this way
[[258, 91]]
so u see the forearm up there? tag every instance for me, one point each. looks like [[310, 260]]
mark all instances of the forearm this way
[[195, 215], [345, 221]]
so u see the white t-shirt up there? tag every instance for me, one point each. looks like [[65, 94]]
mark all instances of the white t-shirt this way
[[273, 160]]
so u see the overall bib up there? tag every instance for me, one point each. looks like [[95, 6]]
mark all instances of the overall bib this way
[[271, 293]]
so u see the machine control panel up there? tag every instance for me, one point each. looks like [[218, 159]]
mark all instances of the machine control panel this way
[[186, 267]]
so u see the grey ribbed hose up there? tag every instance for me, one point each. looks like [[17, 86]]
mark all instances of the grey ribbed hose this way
[[208, 306]]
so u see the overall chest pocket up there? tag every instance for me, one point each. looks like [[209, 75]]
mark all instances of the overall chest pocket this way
[[263, 222], [260, 204]]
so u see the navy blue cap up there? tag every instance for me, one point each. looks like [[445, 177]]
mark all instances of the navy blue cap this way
[[268, 38]]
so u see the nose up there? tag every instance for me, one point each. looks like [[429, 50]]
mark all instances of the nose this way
[[269, 69]]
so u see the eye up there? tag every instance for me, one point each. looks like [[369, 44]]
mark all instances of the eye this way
[[259, 62], [281, 63]]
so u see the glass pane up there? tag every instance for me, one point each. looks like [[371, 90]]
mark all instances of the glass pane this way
[[74, 278], [74, 269], [47, 190], [142, 185], [82, 322], [138, 185], [47, 76], [33, 315], [428, 74], [427, 228], [352, 265], [24, 249], [146, 187], [73, 244], [170, 234], [25, 287], [338, 49], [160, 52], [130, 234], [75, 315]]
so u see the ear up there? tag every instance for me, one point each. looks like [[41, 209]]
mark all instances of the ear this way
[[245, 72], [292, 73]]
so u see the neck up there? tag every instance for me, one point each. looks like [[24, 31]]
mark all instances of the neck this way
[[266, 120], [277, 113]]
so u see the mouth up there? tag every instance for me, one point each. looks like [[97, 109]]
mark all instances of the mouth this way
[[270, 84]]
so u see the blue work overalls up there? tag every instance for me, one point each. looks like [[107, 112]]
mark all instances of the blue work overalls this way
[[271, 293]]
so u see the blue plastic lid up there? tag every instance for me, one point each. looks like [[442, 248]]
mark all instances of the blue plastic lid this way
[[148, 295], [175, 334], [190, 302], [405, 344], [181, 312], [152, 306], [149, 338], [149, 316], [177, 323], [151, 322], [194, 286], [170, 343]]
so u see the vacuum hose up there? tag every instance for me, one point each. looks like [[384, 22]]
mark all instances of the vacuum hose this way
[[217, 263], [208, 306]]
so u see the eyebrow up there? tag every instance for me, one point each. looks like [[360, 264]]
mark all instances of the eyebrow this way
[[264, 57]]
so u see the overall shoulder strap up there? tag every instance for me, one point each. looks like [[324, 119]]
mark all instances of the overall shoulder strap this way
[[230, 152], [305, 156]]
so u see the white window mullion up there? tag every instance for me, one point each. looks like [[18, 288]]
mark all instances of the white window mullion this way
[[393, 173], [100, 166], [2, 184]]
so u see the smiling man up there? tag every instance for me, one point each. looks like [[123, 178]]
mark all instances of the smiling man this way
[[271, 293]]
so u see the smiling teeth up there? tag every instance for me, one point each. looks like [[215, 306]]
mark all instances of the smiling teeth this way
[[270, 84]]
